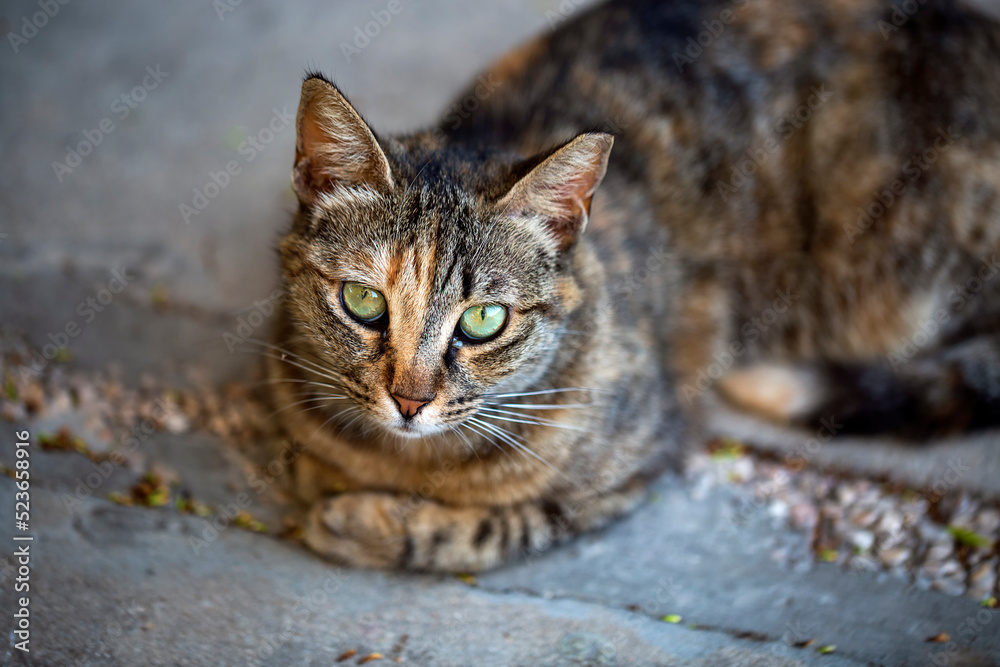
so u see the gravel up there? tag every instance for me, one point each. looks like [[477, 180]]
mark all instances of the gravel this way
[[947, 541]]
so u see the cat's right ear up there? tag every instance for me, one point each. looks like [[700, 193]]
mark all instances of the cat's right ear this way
[[334, 146], [559, 190]]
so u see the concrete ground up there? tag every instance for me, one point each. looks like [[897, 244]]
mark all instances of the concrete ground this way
[[115, 115]]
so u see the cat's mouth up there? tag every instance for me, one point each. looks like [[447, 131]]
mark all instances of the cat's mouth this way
[[412, 430], [410, 418]]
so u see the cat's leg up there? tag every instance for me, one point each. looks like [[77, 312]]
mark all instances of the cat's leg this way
[[953, 390], [784, 393], [387, 531]]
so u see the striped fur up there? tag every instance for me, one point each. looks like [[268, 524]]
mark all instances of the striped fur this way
[[796, 214]]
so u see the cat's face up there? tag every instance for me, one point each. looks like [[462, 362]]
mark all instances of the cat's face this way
[[425, 293], [383, 296]]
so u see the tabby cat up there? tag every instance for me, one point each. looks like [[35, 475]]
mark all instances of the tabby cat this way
[[498, 330]]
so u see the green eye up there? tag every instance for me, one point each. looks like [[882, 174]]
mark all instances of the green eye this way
[[363, 302], [481, 322]]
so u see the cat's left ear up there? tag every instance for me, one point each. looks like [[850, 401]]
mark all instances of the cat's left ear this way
[[334, 145], [559, 189]]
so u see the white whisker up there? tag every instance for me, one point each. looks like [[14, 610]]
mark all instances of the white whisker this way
[[358, 414], [258, 383], [485, 435], [323, 425], [541, 406], [307, 400], [512, 440], [539, 393], [324, 374], [314, 367], [468, 444], [528, 419]]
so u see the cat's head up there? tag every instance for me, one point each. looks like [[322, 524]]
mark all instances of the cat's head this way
[[427, 278]]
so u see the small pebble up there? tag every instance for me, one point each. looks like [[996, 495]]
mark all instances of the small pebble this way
[[778, 509], [983, 576], [862, 539], [950, 568], [891, 522], [894, 557], [846, 494], [988, 521], [176, 423], [939, 551], [863, 517]]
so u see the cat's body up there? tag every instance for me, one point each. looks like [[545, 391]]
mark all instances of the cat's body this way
[[769, 286]]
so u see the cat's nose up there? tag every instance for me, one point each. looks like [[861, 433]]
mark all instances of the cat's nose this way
[[409, 407]]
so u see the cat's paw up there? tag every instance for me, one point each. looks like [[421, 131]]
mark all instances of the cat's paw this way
[[781, 393], [359, 529]]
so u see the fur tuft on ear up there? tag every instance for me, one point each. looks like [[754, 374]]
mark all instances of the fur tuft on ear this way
[[334, 145], [559, 190]]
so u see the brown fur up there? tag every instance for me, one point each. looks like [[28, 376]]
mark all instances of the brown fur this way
[[679, 277]]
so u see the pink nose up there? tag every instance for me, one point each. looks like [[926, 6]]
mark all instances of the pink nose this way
[[409, 407]]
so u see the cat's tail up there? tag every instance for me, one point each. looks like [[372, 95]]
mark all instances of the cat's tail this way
[[956, 390]]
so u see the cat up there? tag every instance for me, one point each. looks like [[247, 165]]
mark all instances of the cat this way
[[498, 330]]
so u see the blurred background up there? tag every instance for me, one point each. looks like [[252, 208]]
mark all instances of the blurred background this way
[[146, 151], [224, 72]]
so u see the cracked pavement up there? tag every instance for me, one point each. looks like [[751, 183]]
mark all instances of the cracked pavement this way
[[124, 585]]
